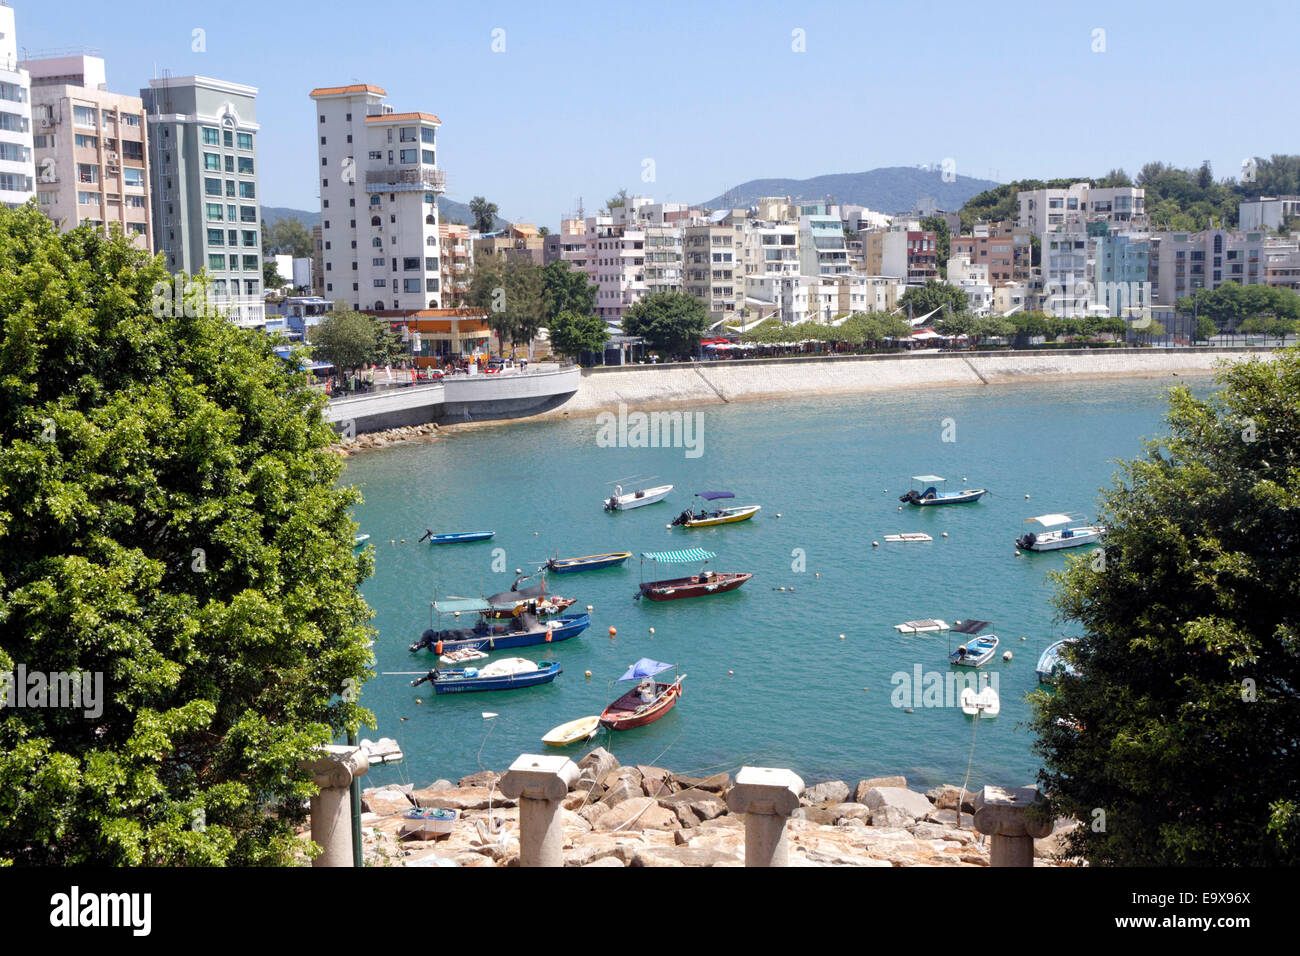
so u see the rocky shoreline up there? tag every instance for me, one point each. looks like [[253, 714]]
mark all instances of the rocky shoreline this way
[[649, 816], [407, 434]]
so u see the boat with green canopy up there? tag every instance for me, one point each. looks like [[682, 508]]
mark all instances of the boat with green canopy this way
[[697, 585]]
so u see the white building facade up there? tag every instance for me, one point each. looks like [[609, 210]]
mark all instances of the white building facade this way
[[17, 167]]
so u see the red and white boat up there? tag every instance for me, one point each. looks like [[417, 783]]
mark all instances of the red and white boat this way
[[696, 585], [646, 702]]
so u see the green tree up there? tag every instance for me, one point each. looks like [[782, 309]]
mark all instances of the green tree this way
[[484, 214], [271, 278], [170, 519], [672, 322], [344, 338], [512, 292], [1190, 652], [567, 290], [934, 295], [573, 333], [616, 201], [286, 237]]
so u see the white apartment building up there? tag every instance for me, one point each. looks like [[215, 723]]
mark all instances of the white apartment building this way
[[823, 250], [379, 187], [770, 249], [1066, 276], [663, 258], [1267, 212], [1044, 210], [1183, 263], [91, 156], [791, 298], [17, 167], [973, 279], [616, 265]]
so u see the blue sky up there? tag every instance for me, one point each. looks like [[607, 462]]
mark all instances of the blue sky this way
[[584, 93]]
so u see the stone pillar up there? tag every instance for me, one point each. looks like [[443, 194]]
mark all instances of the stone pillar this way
[[766, 797], [1013, 818], [331, 809], [539, 784]]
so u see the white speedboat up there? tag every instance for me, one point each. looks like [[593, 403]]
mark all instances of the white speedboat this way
[[927, 493], [620, 501], [1055, 540]]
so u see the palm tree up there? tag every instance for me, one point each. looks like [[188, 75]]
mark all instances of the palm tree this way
[[484, 213]]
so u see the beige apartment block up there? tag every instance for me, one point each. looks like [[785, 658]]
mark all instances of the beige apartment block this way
[[457, 262], [92, 162]]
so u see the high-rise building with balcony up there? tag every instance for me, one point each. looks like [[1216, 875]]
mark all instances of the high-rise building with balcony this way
[[17, 169], [92, 164], [202, 136], [379, 187], [457, 262], [712, 270], [822, 247]]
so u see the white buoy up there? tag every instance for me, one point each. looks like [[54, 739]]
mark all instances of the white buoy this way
[[1026, 497], [875, 544], [945, 534], [652, 630], [1006, 656], [778, 514], [841, 637], [1017, 554]]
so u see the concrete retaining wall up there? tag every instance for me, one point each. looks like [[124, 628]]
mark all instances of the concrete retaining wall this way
[[749, 379]]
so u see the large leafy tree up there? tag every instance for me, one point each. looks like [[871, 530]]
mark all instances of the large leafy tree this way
[[512, 291], [286, 237], [567, 290], [934, 295], [1176, 742], [672, 322], [573, 333], [170, 519], [344, 338]]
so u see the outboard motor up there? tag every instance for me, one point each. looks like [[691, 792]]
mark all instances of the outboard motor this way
[[611, 505], [910, 497], [1025, 541], [427, 639], [430, 677], [682, 518]]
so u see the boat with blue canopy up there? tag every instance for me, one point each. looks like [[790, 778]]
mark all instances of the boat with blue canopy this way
[[697, 585], [927, 492], [977, 650], [705, 519], [646, 702]]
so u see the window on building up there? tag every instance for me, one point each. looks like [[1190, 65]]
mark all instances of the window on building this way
[[86, 142], [216, 237], [410, 285], [217, 262], [247, 191], [246, 165], [250, 238], [245, 140], [408, 134], [211, 137], [409, 155], [212, 161], [430, 285], [214, 211], [426, 156], [426, 135], [250, 262], [87, 173], [212, 187], [85, 116], [227, 138], [230, 189], [410, 263], [248, 214], [377, 242]]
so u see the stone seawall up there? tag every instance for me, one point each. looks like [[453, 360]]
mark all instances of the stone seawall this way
[[753, 379]]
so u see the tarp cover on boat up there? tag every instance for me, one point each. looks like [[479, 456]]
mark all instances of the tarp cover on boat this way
[[645, 667], [928, 478], [679, 557], [511, 598], [1050, 521], [970, 627], [714, 495], [461, 605]]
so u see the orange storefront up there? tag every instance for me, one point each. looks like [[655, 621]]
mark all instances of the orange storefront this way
[[442, 334]]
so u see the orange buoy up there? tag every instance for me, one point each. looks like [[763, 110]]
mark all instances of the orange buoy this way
[[548, 637], [612, 631], [437, 648]]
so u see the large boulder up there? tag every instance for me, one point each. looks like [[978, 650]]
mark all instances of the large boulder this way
[[631, 774], [621, 789], [860, 791], [592, 812], [830, 791], [849, 811], [945, 797], [687, 796], [656, 781], [708, 808], [638, 813], [384, 801], [684, 814], [484, 778], [1052, 846], [687, 856], [716, 783], [891, 816], [598, 761], [909, 801], [461, 798]]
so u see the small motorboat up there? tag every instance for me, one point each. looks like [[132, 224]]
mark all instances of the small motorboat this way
[[521, 630], [588, 562], [359, 540], [697, 585], [908, 536], [707, 519], [1063, 537], [927, 493], [510, 673], [584, 728], [533, 599], [456, 537], [976, 651], [1052, 664], [621, 501], [645, 703]]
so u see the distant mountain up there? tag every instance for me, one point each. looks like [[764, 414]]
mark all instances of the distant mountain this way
[[448, 209], [890, 189]]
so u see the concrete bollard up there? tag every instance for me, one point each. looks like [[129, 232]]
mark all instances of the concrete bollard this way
[[539, 784], [331, 809], [1007, 815], [766, 796]]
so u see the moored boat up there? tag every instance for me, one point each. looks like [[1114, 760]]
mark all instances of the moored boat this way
[[645, 703], [978, 649], [455, 537], [1055, 540], [697, 585], [928, 493], [510, 673], [588, 562], [1052, 664], [584, 728], [708, 519], [523, 630], [359, 540], [621, 501]]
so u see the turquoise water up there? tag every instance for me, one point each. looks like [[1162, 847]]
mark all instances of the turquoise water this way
[[770, 682]]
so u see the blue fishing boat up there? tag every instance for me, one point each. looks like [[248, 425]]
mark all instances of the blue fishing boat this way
[[455, 537], [521, 630], [1053, 664], [927, 493], [510, 673], [976, 651], [588, 562]]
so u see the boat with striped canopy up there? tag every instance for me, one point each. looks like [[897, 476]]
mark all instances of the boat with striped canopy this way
[[696, 585]]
